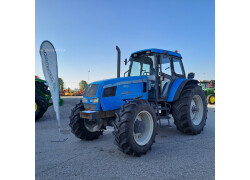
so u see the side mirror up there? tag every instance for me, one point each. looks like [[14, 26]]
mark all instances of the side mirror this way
[[191, 75], [126, 62]]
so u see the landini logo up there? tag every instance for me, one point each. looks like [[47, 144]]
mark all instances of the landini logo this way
[[128, 92]]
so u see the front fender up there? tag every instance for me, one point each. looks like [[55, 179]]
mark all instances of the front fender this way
[[177, 88]]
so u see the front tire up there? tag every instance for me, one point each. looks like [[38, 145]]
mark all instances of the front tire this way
[[135, 127], [211, 99], [40, 106], [77, 125], [190, 110]]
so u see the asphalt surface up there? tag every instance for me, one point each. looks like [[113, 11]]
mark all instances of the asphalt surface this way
[[173, 156]]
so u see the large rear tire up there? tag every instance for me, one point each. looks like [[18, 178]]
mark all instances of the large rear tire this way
[[78, 127], [135, 127], [40, 106], [190, 110]]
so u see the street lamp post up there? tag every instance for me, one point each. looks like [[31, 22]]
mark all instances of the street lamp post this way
[[88, 76]]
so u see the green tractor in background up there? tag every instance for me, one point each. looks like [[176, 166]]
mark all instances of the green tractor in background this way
[[42, 98], [209, 89]]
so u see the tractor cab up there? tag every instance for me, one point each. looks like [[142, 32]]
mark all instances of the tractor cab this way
[[161, 67]]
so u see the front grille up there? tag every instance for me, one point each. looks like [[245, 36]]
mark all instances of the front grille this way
[[90, 91], [91, 107]]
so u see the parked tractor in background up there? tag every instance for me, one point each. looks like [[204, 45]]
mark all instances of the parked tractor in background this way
[[156, 87], [79, 92], [68, 92], [42, 98], [62, 92], [209, 89]]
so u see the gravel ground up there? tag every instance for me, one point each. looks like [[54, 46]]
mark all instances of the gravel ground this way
[[173, 156]]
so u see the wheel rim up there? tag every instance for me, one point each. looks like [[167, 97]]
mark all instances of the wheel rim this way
[[196, 110], [35, 106], [212, 99], [143, 128], [92, 125]]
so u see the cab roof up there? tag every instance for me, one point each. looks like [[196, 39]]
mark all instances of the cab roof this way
[[159, 51]]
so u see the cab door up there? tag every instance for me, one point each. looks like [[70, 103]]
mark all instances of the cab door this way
[[171, 70], [166, 74]]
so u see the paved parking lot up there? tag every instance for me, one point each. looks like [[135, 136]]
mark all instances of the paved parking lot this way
[[173, 156]]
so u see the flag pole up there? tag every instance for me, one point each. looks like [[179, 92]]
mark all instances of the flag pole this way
[[50, 71]]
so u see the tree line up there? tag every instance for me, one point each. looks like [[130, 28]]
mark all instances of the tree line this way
[[82, 84]]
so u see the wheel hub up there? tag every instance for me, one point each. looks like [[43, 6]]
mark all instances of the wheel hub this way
[[143, 128], [212, 99], [93, 125], [139, 126], [196, 110]]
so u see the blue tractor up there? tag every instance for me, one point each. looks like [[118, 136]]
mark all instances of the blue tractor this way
[[154, 87]]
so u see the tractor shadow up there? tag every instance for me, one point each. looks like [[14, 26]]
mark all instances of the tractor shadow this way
[[168, 139]]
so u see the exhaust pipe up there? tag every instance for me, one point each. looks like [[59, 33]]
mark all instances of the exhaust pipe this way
[[118, 61]]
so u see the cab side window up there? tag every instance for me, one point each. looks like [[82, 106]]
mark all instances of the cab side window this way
[[136, 68], [145, 69], [177, 66], [166, 66]]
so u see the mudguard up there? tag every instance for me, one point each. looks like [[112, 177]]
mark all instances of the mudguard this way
[[177, 87]]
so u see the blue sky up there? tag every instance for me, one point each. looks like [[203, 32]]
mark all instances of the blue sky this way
[[85, 34]]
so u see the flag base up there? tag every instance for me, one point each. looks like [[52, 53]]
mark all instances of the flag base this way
[[59, 140], [59, 137]]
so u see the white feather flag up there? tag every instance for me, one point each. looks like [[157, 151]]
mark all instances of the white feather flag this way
[[50, 71]]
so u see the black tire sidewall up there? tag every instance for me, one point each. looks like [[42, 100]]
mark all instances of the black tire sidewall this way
[[41, 106]]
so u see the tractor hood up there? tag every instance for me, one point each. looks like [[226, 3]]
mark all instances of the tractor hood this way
[[119, 81], [112, 93]]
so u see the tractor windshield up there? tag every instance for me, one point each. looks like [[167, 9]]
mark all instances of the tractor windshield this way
[[142, 66]]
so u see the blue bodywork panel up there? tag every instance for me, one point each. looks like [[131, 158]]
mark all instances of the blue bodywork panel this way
[[174, 89], [159, 51], [128, 88]]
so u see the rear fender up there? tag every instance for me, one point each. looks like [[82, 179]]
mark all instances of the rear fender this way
[[177, 88]]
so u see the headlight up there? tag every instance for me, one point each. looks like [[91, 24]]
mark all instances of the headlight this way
[[84, 100], [94, 100]]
